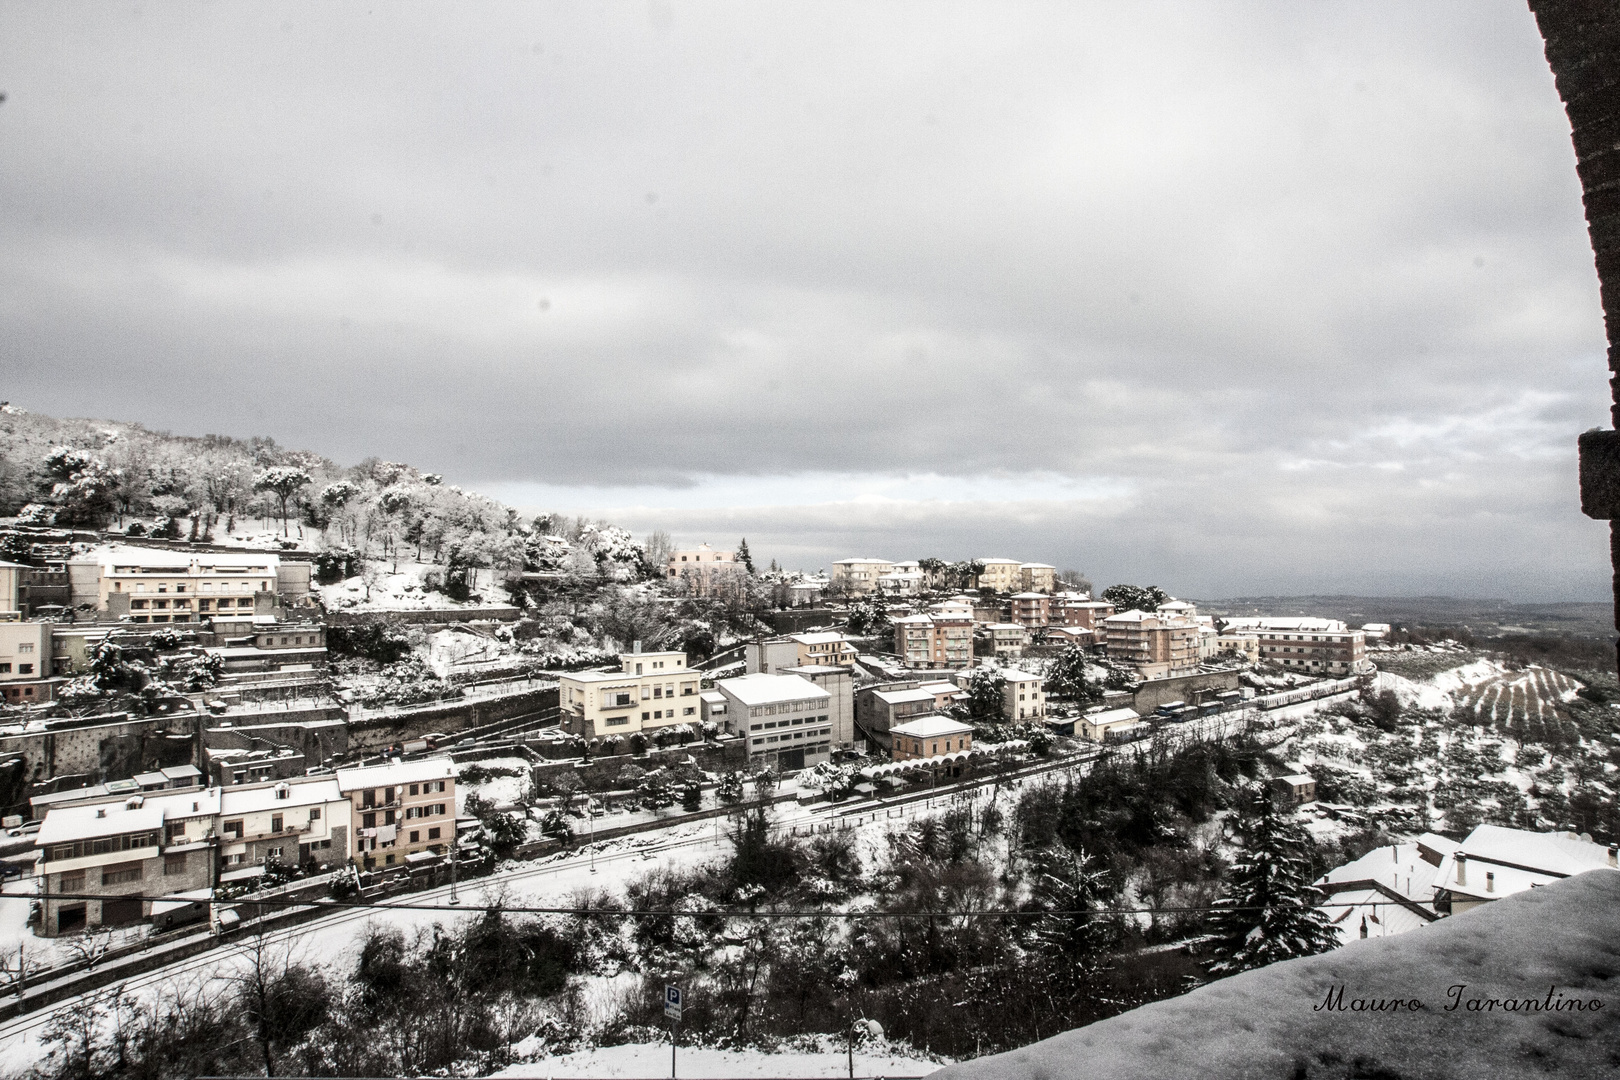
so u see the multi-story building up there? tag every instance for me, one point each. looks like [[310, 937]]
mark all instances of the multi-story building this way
[[933, 641], [1078, 609], [881, 707], [1245, 642], [1156, 646], [899, 582], [795, 650], [25, 661], [1002, 575], [787, 719], [1032, 609], [1023, 696], [1038, 577], [400, 809], [930, 736], [839, 682], [154, 586], [1177, 609], [96, 861], [858, 575], [698, 566], [291, 822], [650, 691], [1007, 640], [11, 586], [1315, 646]]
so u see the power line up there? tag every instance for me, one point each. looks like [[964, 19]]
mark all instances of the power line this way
[[655, 913]]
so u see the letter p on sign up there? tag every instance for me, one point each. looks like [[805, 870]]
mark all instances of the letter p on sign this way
[[672, 1002]]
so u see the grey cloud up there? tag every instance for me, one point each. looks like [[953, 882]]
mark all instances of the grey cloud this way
[[1251, 258]]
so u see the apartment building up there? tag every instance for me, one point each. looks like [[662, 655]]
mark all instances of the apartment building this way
[[1314, 646], [1156, 646], [649, 691], [11, 587], [95, 862], [291, 822], [926, 641], [829, 648], [898, 582], [881, 708], [858, 575], [930, 736], [698, 566], [1007, 640], [400, 809], [154, 586], [1002, 575], [1177, 609], [25, 662], [787, 719], [1038, 577], [1024, 695], [1078, 609], [1031, 609]]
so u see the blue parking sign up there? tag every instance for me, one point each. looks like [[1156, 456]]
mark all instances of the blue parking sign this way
[[672, 1002]]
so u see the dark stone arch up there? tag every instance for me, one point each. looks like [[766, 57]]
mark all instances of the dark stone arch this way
[[1582, 39]]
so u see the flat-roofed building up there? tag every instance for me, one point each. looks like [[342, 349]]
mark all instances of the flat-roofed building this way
[[698, 567], [1038, 577], [1313, 646], [400, 809], [1097, 726], [787, 719], [1007, 640], [930, 736], [1078, 609], [1023, 695], [648, 692], [1031, 609], [1155, 645], [25, 662], [858, 575], [879, 708], [839, 682], [1002, 575], [154, 586]]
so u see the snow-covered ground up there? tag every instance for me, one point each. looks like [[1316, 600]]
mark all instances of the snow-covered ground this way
[[637, 1061], [503, 791], [403, 590]]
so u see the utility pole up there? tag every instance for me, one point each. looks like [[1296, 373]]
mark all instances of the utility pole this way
[[455, 839]]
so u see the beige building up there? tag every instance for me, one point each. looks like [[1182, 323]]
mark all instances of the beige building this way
[[1007, 640], [1002, 575], [650, 691], [11, 587], [25, 662], [1156, 646], [858, 575], [828, 647], [1024, 696], [400, 809], [1097, 726], [153, 586], [930, 736], [698, 566], [291, 822], [934, 641], [1245, 642], [1038, 577]]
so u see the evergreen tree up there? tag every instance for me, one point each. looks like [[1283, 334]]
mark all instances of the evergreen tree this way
[[1135, 597], [730, 790], [1269, 911], [691, 797], [1071, 936], [1068, 675], [743, 557]]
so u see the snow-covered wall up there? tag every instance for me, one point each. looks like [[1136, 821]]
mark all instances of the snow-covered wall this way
[[1273, 1023]]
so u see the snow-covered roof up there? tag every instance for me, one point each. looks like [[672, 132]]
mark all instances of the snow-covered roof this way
[[1267, 623], [1037, 566], [762, 689], [1016, 675], [1558, 853], [942, 686], [815, 669], [827, 637], [928, 727], [1112, 716], [395, 774], [1132, 616], [713, 697], [1004, 626], [1296, 779], [252, 800], [213, 561], [69, 823], [913, 620], [1030, 596], [1397, 868], [1384, 917], [903, 697]]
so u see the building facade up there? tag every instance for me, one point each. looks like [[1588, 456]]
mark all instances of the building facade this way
[[787, 719], [1002, 575], [1155, 646], [400, 809], [1038, 577], [650, 691], [1313, 646], [930, 736], [1031, 609], [152, 586], [698, 566], [858, 576]]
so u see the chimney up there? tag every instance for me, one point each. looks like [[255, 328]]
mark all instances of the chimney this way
[[1490, 881], [1462, 869], [636, 648]]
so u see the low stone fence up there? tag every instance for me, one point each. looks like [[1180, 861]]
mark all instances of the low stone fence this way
[[376, 731], [602, 773]]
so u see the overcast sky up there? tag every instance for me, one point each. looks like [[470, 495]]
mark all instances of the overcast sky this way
[[1232, 298]]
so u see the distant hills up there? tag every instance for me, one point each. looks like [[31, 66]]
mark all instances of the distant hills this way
[[1487, 618]]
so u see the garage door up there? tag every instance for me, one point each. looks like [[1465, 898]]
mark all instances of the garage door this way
[[121, 912]]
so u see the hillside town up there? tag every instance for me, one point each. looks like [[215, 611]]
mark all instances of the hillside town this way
[[215, 712]]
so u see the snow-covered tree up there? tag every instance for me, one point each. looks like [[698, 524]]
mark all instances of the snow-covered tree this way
[[282, 481], [1071, 934], [1269, 911]]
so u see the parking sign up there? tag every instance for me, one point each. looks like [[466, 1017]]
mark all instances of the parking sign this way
[[672, 1002]]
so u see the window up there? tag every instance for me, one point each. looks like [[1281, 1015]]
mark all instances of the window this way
[[388, 817], [415, 836], [617, 721], [25, 669], [275, 823], [368, 821], [122, 874], [433, 834], [174, 864], [25, 647], [315, 813], [72, 882], [5, 669], [204, 605], [414, 788], [232, 828], [688, 711], [646, 716]]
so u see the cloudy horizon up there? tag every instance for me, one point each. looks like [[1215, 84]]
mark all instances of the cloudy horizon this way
[[1259, 299]]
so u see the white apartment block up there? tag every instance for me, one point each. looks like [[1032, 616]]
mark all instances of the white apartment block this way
[[787, 719], [858, 575], [649, 691]]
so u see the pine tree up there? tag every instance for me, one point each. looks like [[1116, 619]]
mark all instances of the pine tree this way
[[1073, 938], [1269, 912], [743, 557], [691, 797], [730, 789]]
